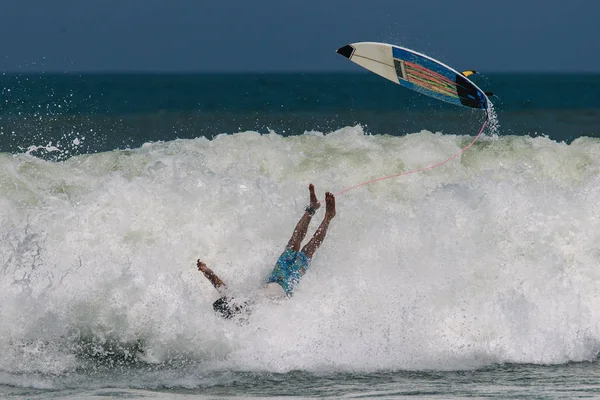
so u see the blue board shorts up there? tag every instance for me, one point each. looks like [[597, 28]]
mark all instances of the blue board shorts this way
[[289, 269]]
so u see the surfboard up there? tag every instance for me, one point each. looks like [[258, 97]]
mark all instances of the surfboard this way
[[416, 71]]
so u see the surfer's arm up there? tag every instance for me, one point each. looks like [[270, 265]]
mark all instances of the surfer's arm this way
[[211, 276]]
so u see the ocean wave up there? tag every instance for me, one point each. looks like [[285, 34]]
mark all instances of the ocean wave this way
[[490, 258]]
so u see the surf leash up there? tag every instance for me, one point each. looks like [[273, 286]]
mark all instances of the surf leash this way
[[421, 169]]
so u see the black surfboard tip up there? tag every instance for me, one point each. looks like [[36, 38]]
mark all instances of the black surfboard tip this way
[[346, 51]]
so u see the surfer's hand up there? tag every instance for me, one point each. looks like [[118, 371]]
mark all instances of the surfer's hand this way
[[214, 279], [201, 266]]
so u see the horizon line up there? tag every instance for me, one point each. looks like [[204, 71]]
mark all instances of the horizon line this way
[[263, 72]]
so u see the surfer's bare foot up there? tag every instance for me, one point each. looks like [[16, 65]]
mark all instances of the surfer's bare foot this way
[[314, 202], [329, 205]]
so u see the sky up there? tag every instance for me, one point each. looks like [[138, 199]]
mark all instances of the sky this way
[[294, 35]]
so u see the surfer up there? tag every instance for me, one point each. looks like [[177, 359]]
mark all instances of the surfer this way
[[291, 265]]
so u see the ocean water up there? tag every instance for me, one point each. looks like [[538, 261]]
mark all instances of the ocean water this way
[[476, 279]]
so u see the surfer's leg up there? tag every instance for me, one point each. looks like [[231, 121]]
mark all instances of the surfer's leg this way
[[321, 231], [302, 226]]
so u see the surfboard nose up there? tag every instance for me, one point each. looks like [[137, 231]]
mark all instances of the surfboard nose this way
[[346, 51]]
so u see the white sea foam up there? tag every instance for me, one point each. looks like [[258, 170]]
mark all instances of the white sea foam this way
[[490, 258]]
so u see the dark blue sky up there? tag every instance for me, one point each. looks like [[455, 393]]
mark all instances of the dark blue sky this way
[[294, 35]]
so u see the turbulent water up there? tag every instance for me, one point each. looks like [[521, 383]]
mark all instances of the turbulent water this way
[[477, 278]]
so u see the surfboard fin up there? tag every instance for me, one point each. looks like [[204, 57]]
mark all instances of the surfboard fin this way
[[489, 94], [469, 72]]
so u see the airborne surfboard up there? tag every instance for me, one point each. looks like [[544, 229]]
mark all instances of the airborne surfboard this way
[[418, 72]]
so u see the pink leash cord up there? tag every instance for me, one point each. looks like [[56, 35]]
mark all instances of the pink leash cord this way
[[421, 169]]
